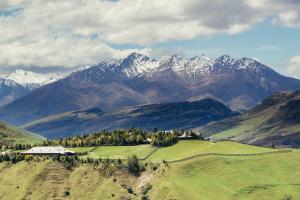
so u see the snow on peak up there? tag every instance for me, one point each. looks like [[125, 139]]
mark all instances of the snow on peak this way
[[7, 82], [174, 62], [32, 80], [137, 65]]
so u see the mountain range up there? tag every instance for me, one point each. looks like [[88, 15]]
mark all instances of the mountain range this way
[[165, 116], [20, 82], [276, 121], [33, 80], [137, 79], [10, 90]]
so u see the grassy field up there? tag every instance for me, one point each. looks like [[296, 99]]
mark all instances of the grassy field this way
[[50, 180], [180, 150], [245, 128], [258, 177], [81, 149], [264, 177], [115, 152], [10, 134], [188, 148]]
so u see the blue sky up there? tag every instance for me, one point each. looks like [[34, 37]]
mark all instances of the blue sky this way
[[270, 44], [66, 33]]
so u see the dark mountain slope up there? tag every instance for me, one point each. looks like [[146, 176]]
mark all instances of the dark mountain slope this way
[[275, 121], [165, 116], [10, 90]]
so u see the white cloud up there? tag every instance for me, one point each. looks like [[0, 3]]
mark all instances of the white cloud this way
[[294, 67], [68, 33]]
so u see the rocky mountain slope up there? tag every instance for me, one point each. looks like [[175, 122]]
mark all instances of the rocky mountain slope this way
[[166, 116], [10, 90], [276, 121], [138, 79]]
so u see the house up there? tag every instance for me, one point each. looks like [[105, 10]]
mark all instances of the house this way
[[49, 150], [185, 136], [5, 152]]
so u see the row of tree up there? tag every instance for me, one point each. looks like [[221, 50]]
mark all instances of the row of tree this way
[[127, 137], [132, 136]]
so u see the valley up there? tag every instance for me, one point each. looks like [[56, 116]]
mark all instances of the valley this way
[[149, 100]]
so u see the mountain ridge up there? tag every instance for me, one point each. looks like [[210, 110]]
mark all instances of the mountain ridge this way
[[276, 121], [166, 116], [137, 79], [32, 80]]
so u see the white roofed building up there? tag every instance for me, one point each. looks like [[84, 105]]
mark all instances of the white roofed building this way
[[49, 150]]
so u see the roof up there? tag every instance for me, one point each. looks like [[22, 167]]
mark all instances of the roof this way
[[5, 152], [48, 150]]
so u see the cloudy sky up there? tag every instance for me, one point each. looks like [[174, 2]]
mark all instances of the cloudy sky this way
[[70, 33]]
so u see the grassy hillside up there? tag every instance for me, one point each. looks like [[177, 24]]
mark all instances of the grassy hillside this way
[[270, 176], [115, 152], [259, 177], [275, 121], [182, 149], [189, 148], [10, 134]]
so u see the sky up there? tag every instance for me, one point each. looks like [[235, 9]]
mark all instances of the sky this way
[[43, 34]]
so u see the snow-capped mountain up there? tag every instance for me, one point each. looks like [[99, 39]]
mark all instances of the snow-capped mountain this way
[[32, 80], [138, 79], [10, 90], [138, 65]]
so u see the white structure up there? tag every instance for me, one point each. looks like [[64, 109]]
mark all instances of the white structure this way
[[5, 152], [49, 150]]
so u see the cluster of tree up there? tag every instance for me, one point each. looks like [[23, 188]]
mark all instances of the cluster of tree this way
[[134, 166], [13, 158], [15, 146], [132, 136], [162, 139]]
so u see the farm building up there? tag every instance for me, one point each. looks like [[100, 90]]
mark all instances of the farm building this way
[[49, 150]]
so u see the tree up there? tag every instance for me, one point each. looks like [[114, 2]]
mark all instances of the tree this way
[[133, 165]]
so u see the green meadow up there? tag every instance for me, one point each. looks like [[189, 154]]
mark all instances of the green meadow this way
[[115, 152], [264, 177]]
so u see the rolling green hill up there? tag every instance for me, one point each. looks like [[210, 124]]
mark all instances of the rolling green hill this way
[[275, 121], [10, 134], [214, 177]]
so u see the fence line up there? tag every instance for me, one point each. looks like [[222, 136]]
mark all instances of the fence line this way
[[221, 154], [150, 154]]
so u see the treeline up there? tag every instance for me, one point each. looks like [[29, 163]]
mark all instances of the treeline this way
[[16, 147], [161, 139], [127, 137], [13, 158]]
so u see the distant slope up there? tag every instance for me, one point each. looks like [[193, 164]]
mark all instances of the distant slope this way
[[165, 116], [10, 134], [32, 80], [137, 79], [10, 91], [275, 121]]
